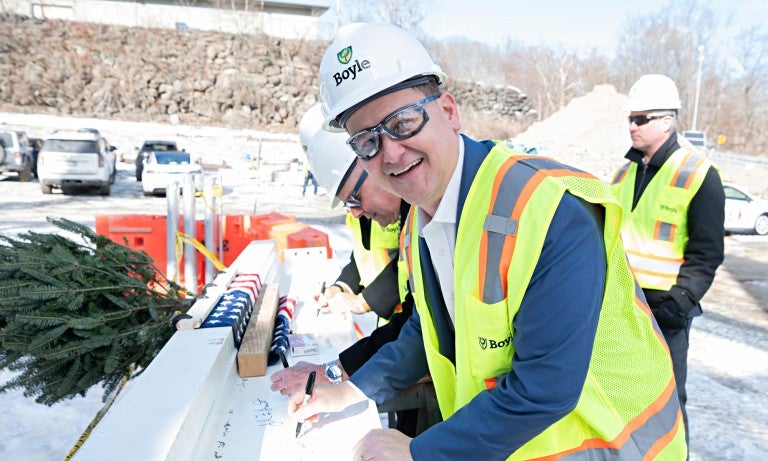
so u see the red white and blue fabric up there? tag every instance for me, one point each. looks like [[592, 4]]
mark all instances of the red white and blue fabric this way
[[282, 329], [235, 306]]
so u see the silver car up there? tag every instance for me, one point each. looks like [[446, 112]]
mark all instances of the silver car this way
[[74, 160], [16, 154]]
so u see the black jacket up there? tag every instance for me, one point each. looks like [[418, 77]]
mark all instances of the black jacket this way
[[705, 249]]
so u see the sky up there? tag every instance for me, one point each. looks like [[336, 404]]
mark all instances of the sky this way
[[586, 24]]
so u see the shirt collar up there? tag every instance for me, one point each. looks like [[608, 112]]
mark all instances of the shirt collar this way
[[660, 156]]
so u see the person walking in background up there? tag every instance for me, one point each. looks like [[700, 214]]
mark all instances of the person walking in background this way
[[527, 317], [308, 177], [674, 208], [369, 282], [304, 137]]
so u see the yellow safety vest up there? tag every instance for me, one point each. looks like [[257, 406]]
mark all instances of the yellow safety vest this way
[[655, 233], [383, 248], [628, 408]]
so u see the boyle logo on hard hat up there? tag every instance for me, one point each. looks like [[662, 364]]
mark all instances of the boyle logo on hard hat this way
[[344, 55]]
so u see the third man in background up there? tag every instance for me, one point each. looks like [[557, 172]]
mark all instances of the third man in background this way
[[673, 205]]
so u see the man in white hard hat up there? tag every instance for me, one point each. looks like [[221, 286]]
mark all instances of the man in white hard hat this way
[[535, 334], [674, 208], [369, 282], [375, 224]]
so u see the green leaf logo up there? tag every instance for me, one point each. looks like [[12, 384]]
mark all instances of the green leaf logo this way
[[345, 55]]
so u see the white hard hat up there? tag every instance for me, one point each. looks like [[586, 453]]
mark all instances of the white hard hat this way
[[330, 159], [653, 92], [311, 121], [367, 60]]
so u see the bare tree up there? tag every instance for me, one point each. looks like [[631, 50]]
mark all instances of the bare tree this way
[[666, 42], [750, 98], [406, 14]]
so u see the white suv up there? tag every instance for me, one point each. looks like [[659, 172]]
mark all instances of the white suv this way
[[76, 159]]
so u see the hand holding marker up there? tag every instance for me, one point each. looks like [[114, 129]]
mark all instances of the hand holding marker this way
[[307, 396]]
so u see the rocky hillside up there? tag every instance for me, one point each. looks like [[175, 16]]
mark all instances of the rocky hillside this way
[[195, 78]]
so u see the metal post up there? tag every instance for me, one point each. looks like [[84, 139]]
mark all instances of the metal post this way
[[213, 231], [698, 87], [190, 228], [172, 226]]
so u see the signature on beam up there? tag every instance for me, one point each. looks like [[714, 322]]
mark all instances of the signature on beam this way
[[263, 413]]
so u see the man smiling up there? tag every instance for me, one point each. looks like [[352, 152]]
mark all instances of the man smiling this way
[[538, 340]]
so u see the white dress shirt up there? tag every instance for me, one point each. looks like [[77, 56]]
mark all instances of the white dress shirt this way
[[439, 232]]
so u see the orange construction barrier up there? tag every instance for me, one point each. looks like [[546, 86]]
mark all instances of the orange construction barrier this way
[[264, 223], [307, 238], [148, 233], [280, 232]]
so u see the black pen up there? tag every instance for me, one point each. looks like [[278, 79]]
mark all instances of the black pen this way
[[282, 358], [322, 292], [307, 395]]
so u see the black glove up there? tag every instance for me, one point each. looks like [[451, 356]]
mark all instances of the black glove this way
[[669, 315]]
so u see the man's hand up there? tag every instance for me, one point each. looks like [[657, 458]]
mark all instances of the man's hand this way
[[347, 302], [326, 398], [383, 445], [669, 315], [293, 379], [322, 298]]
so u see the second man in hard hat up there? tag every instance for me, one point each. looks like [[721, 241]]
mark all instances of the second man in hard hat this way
[[370, 281]]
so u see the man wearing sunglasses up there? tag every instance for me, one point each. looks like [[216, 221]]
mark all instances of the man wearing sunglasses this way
[[369, 282], [537, 339], [674, 208]]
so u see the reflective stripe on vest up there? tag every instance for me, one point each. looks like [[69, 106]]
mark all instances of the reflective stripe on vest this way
[[644, 431], [616, 410], [655, 232]]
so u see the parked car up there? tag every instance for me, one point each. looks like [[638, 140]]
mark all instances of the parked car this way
[[146, 149], [76, 159], [162, 168], [743, 211], [16, 154]]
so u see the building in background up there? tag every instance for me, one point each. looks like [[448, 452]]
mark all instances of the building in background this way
[[285, 19]]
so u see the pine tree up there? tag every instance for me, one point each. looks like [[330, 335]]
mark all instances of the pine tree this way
[[76, 314]]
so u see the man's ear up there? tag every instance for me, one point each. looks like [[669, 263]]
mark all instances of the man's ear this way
[[451, 110], [669, 123]]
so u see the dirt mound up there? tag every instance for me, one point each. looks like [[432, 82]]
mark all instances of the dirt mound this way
[[589, 133]]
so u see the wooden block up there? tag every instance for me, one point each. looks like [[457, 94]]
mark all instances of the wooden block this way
[[254, 349]]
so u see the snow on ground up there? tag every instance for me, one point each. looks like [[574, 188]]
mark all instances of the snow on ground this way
[[728, 372]]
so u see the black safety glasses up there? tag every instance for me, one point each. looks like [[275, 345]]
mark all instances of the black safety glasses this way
[[353, 201], [641, 120], [400, 124]]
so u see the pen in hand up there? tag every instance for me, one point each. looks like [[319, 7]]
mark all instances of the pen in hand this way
[[307, 395], [283, 359], [322, 292]]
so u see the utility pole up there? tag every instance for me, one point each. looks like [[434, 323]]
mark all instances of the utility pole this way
[[698, 88]]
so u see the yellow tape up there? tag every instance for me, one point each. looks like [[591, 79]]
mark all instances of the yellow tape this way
[[99, 415], [182, 237]]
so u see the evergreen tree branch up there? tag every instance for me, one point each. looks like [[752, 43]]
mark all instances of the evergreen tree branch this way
[[78, 313]]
